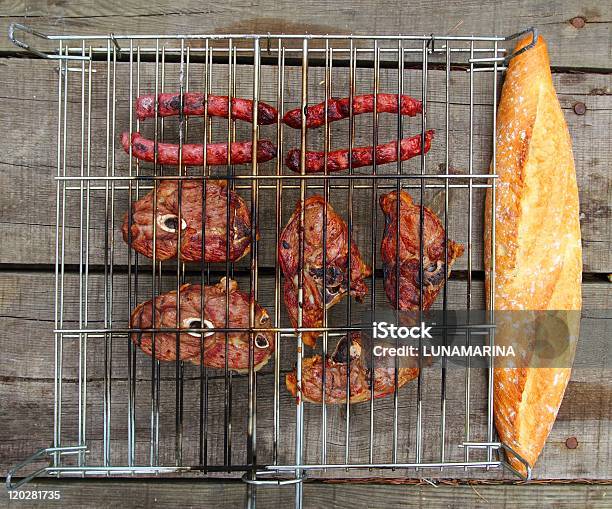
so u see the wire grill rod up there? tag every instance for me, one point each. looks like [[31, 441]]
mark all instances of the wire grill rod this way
[[221, 423]]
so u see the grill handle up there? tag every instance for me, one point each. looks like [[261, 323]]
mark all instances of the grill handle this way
[[534, 39], [41, 453], [271, 480], [508, 451], [503, 61], [14, 27]]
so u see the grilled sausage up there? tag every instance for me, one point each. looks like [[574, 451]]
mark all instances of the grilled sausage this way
[[193, 104], [338, 109], [216, 153], [338, 160]]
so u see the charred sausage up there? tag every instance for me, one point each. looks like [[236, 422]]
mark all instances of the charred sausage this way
[[216, 153], [338, 160], [193, 104], [338, 109]]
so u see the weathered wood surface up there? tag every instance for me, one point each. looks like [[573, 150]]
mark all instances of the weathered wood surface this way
[[569, 46], [173, 493], [27, 388], [27, 225], [27, 211], [28, 310]]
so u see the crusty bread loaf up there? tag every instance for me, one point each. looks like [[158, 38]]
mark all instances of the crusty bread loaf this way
[[537, 250]]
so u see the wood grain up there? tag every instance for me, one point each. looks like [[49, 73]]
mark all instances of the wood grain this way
[[27, 386], [569, 46], [104, 494], [27, 225], [30, 310], [28, 209]]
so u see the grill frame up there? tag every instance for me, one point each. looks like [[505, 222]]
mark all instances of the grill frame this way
[[77, 56]]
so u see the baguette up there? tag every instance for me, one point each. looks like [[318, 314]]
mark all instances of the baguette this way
[[538, 257]]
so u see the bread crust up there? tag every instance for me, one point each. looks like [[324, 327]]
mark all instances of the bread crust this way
[[538, 255]]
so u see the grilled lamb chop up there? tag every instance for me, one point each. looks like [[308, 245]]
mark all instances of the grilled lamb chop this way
[[360, 373], [433, 252], [213, 344], [191, 222], [322, 286]]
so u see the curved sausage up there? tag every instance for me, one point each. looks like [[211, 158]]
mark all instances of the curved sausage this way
[[193, 104], [337, 109], [338, 160], [216, 153]]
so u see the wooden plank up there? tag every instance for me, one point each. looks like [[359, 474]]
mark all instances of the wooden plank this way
[[29, 426], [28, 209], [30, 310], [587, 391], [27, 387], [569, 46], [190, 493]]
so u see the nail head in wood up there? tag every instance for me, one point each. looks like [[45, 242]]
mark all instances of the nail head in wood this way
[[571, 443], [578, 22], [579, 108]]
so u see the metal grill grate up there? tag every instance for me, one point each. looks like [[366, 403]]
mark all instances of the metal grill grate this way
[[198, 419]]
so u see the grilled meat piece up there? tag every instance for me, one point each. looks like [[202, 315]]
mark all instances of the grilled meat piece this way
[[359, 349], [433, 252], [213, 344], [191, 222], [322, 286], [338, 160]]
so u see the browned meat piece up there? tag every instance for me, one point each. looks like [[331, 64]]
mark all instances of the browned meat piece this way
[[214, 317], [191, 221], [433, 252], [360, 374], [316, 291]]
